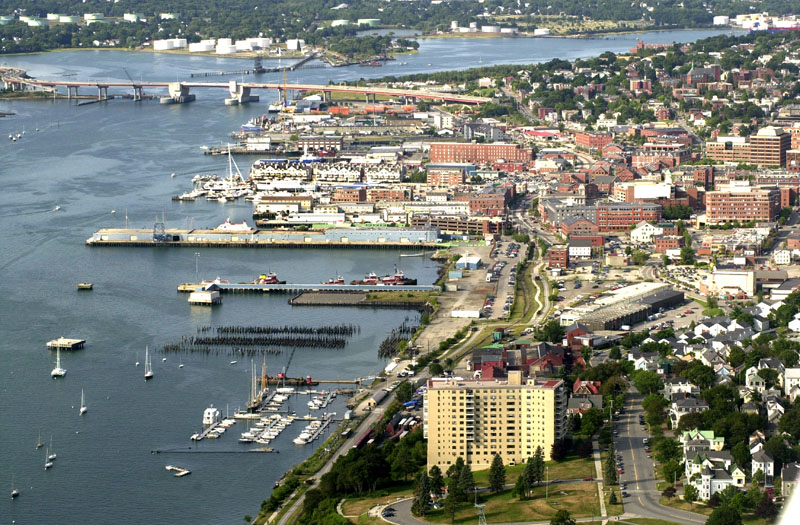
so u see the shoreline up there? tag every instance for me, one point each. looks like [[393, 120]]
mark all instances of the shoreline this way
[[443, 36]]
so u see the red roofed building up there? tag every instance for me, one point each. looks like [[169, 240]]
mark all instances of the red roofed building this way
[[586, 388]]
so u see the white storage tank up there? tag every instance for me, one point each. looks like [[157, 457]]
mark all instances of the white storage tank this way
[[178, 43], [340, 23], [163, 45], [542, 31], [93, 16], [132, 17], [224, 42], [722, 20], [201, 47], [53, 16], [243, 45], [69, 19], [225, 49], [295, 44]]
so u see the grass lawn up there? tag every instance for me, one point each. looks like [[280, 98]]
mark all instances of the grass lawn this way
[[398, 296], [579, 498], [696, 507], [360, 505], [613, 510], [572, 468]]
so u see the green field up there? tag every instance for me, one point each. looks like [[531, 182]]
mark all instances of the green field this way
[[579, 498]]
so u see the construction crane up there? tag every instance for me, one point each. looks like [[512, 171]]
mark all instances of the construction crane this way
[[282, 375], [137, 90]]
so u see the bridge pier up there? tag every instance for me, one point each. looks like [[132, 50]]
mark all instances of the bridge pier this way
[[239, 95], [326, 97], [102, 92], [178, 94], [137, 93]]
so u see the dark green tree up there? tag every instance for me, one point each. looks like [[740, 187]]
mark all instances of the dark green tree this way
[[724, 516], [422, 495], [466, 482], [562, 517], [497, 474], [436, 480], [689, 493]]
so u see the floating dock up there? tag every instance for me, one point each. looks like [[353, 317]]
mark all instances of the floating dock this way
[[64, 343]]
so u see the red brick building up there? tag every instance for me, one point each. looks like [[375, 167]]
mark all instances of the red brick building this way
[[387, 195], [577, 226], [558, 257], [743, 204], [620, 216], [479, 153], [593, 140], [452, 224], [668, 242], [349, 195], [492, 201]]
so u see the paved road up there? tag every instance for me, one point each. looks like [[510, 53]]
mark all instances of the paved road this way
[[639, 474]]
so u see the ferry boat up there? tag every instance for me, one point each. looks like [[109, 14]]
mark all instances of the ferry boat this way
[[398, 279], [229, 226], [268, 278]]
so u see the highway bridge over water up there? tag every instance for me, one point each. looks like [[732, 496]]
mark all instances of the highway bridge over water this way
[[179, 92]]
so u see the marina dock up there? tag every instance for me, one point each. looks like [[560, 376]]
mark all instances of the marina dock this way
[[64, 343]]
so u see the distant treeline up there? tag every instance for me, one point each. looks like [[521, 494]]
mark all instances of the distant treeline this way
[[310, 19]]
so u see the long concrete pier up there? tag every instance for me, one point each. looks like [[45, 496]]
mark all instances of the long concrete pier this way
[[290, 288], [403, 238]]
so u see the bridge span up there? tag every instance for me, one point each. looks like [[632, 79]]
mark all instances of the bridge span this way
[[240, 91]]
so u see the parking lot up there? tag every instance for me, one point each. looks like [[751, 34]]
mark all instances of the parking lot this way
[[501, 273]]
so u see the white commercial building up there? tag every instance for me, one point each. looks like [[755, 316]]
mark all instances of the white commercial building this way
[[782, 257], [295, 44]]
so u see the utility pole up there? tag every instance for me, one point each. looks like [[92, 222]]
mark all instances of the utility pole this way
[[547, 482]]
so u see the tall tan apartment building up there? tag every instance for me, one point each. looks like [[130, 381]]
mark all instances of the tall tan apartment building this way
[[741, 202], [476, 419]]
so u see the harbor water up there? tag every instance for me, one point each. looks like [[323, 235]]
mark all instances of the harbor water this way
[[78, 169]]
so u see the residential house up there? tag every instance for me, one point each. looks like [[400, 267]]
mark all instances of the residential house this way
[[790, 476], [681, 407], [679, 385], [791, 383], [763, 461]]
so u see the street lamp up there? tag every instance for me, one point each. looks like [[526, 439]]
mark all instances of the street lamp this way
[[546, 482], [196, 267]]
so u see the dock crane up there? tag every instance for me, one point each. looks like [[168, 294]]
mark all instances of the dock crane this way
[[282, 374], [137, 90]]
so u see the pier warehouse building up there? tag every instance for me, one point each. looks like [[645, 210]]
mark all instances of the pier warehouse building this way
[[476, 419]]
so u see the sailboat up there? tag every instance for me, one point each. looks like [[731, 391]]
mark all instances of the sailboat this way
[[14, 491], [48, 463], [58, 371], [148, 366], [39, 443], [51, 454], [180, 365], [83, 404]]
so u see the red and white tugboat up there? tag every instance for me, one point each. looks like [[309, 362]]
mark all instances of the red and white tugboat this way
[[268, 278]]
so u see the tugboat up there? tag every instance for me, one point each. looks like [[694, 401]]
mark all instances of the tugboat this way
[[398, 279], [268, 278], [339, 280]]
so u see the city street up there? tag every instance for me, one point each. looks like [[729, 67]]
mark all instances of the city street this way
[[638, 474]]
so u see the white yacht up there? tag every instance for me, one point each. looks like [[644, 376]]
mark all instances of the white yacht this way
[[83, 404], [58, 371], [148, 365]]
